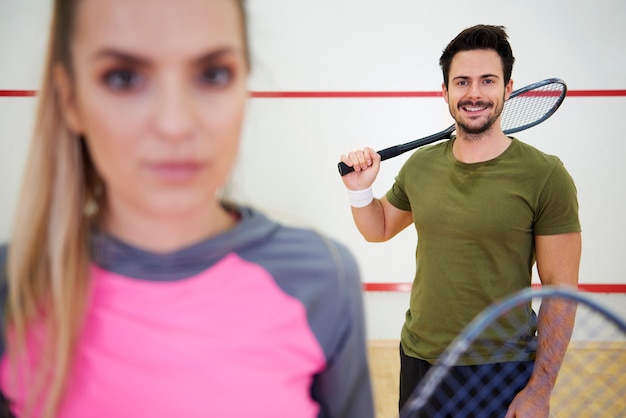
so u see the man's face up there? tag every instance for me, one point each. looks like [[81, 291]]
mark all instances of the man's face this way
[[476, 91]]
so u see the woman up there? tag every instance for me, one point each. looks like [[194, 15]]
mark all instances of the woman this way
[[133, 289]]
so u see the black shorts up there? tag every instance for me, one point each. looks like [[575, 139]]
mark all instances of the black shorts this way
[[467, 391]]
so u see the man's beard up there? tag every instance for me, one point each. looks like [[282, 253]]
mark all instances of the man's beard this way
[[477, 131]]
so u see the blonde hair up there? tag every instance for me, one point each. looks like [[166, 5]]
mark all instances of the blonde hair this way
[[48, 260]]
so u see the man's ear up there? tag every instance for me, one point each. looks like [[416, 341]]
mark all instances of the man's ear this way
[[444, 92], [508, 89], [67, 99]]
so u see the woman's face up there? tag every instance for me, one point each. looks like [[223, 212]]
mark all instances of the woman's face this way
[[158, 91]]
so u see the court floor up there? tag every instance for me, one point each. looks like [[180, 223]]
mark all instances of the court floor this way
[[587, 371]]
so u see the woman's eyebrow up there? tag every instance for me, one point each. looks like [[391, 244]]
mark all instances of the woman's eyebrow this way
[[215, 55], [135, 59], [130, 58]]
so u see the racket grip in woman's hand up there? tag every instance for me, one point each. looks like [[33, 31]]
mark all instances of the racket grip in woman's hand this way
[[384, 155]]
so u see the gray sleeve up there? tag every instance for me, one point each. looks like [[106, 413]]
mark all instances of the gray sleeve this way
[[3, 292], [324, 276], [343, 388], [4, 403]]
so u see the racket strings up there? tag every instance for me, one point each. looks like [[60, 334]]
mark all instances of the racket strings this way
[[590, 383], [532, 106]]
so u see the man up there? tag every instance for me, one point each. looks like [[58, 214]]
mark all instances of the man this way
[[485, 207]]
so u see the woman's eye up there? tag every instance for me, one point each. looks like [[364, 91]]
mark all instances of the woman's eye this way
[[216, 76], [122, 79]]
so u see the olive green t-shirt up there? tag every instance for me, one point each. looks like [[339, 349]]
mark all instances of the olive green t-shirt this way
[[475, 225]]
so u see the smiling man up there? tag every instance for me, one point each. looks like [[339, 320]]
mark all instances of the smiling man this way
[[485, 207]]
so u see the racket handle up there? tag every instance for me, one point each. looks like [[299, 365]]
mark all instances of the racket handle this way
[[385, 154], [344, 169]]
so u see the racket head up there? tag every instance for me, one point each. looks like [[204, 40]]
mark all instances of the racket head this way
[[532, 105], [526, 107], [592, 376]]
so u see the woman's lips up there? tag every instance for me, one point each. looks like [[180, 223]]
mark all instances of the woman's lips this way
[[175, 171]]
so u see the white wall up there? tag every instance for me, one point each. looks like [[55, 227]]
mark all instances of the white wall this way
[[291, 146]]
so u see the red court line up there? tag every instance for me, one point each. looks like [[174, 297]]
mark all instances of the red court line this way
[[18, 93], [399, 94], [352, 94], [395, 287], [596, 93], [585, 287], [341, 94]]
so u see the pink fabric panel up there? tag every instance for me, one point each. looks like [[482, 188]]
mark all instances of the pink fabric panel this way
[[226, 342]]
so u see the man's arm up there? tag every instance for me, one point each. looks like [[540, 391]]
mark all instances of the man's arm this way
[[380, 220], [558, 261]]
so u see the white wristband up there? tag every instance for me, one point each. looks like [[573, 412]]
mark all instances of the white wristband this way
[[360, 198]]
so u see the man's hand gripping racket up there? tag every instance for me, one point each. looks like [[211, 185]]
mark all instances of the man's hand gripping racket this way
[[525, 108]]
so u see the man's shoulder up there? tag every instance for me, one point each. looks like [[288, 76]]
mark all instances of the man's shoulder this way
[[534, 153], [440, 148], [427, 156]]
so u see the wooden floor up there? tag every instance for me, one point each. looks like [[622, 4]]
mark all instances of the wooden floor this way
[[385, 371], [592, 381]]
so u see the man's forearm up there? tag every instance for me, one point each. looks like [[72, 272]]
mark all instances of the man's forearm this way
[[554, 330], [370, 221]]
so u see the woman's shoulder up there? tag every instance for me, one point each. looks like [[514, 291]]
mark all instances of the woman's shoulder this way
[[266, 234], [299, 252], [308, 247], [4, 276], [3, 263], [3, 290]]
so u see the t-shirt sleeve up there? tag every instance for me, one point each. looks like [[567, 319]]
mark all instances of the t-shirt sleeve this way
[[397, 195], [557, 211]]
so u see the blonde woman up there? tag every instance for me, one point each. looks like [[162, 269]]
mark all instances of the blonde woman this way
[[131, 289]]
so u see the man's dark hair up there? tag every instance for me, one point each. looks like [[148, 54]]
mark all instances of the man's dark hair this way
[[479, 37]]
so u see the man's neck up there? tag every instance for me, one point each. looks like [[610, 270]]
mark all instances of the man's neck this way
[[470, 148]]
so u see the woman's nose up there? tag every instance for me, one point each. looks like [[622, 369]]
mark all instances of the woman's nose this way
[[174, 113]]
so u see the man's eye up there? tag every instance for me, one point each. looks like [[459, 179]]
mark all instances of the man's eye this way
[[122, 79], [216, 76]]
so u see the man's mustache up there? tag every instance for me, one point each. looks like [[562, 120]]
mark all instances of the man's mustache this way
[[469, 103]]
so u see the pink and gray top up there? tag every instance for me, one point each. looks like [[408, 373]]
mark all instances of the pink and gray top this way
[[264, 320]]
